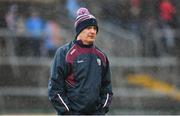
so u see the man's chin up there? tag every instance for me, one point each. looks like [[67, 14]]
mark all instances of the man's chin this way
[[90, 42]]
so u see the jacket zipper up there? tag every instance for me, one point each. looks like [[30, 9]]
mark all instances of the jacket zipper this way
[[63, 102], [107, 97], [69, 83]]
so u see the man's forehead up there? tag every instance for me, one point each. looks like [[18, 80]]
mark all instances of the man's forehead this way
[[91, 26]]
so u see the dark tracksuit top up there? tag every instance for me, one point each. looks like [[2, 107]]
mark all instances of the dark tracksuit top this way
[[80, 81]]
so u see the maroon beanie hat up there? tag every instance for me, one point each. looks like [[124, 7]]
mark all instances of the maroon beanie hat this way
[[83, 20]]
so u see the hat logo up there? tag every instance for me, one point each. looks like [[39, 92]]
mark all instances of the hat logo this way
[[99, 62]]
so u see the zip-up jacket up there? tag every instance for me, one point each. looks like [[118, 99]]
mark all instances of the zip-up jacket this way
[[80, 80]]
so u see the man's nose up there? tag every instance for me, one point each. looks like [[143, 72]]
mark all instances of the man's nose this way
[[93, 30]]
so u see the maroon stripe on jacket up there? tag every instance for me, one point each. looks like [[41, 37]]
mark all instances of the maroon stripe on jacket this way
[[74, 52]]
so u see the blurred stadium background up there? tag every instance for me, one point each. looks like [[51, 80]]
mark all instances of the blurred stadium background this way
[[143, 51]]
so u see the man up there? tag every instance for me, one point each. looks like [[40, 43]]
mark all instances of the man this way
[[80, 81]]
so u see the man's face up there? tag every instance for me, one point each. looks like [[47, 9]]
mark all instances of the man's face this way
[[88, 35]]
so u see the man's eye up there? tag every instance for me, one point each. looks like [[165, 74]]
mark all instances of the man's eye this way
[[95, 28], [89, 28]]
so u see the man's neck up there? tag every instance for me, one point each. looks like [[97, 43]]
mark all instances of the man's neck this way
[[81, 44]]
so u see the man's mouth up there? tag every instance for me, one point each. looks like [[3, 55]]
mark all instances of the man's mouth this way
[[92, 36]]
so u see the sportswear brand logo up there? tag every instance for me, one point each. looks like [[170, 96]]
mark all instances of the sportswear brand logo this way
[[80, 61]]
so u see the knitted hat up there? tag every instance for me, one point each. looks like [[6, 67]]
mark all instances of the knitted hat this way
[[83, 20]]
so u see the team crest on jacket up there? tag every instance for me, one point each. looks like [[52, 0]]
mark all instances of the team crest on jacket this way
[[99, 61]]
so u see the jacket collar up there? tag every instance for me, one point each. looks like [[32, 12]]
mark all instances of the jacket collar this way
[[80, 43]]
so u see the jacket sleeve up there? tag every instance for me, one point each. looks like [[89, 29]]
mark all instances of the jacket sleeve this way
[[106, 89], [56, 86]]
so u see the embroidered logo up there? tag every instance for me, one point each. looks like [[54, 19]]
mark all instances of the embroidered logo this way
[[99, 62]]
